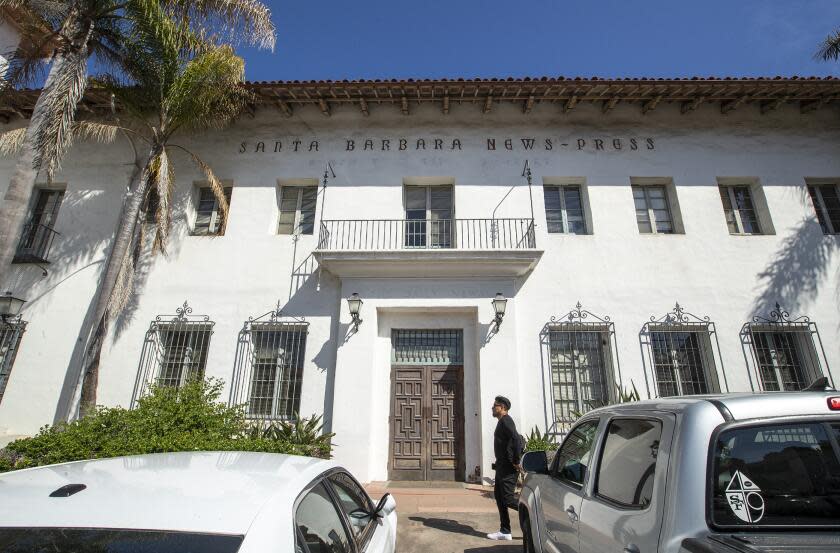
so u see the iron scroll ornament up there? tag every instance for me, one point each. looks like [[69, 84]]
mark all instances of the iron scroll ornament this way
[[579, 314], [780, 316], [182, 314], [680, 316]]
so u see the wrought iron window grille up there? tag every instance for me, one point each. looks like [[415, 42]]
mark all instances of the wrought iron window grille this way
[[787, 353], [580, 366], [683, 355], [268, 367], [433, 346], [174, 350], [11, 333]]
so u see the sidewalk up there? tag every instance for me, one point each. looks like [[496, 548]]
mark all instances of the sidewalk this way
[[446, 518]]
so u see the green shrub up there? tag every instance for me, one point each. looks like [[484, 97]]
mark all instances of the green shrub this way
[[538, 441], [167, 419]]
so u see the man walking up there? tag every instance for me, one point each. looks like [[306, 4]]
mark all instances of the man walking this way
[[506, 448]]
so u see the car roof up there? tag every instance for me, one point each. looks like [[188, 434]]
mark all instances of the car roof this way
[[207, 491], [740, 406]]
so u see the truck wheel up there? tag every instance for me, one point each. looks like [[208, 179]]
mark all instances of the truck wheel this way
[[527, 536]]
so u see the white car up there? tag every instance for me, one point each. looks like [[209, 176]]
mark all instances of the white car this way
[[193, 502]]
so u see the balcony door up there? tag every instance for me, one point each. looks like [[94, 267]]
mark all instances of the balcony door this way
[[428, 217]]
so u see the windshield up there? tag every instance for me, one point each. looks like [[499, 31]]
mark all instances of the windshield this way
[[74, 540], [777, 475]]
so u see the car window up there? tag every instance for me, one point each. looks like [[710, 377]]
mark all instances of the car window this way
[[776, 475], [353, 501], [320, 524], [574, 456], [628, 461]]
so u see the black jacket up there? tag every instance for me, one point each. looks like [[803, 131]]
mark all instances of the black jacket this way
[[504, 444]]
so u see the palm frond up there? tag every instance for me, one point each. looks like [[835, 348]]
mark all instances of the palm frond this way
[[238, 21], [103, 133], [830, 48], [53, 118], [208, 92], [12, 141]]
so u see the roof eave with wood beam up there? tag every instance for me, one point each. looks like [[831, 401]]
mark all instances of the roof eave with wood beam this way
[[726, 94]]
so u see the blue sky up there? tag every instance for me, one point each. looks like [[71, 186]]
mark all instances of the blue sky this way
[[335, 39]]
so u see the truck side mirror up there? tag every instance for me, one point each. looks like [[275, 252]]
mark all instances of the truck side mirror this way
[[535, 462]]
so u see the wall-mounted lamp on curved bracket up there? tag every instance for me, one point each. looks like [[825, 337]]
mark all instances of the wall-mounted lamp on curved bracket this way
[[499, 305], [354, 303]]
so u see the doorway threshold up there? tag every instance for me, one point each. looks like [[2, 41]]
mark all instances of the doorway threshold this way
[[424, 484]]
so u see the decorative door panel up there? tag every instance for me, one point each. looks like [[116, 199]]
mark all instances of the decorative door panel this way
[[445, 433], [426, 423], [407, 426]]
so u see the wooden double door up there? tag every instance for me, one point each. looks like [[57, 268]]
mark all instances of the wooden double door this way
[[427, 423]]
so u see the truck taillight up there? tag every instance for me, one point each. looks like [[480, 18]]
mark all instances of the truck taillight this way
[[834, 403]]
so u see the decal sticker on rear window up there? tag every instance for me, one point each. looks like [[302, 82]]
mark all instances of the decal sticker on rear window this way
[[745, 498]]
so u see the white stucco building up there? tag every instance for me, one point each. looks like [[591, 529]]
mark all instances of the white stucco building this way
[[717, 195]]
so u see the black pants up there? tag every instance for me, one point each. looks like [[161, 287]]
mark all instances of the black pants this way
[[503, 491]]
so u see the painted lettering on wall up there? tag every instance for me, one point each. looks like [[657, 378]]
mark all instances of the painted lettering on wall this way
[[490, 144]]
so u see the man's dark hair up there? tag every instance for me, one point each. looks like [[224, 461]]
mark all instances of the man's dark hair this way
[[503, 401]]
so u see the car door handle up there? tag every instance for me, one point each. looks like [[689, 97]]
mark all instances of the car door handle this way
[[572, 514], [631, 548]]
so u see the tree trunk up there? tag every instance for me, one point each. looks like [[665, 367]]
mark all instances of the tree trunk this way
[[15, 205], [123, 239]]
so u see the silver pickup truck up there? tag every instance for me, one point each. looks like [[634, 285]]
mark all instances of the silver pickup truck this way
[[700, 474]]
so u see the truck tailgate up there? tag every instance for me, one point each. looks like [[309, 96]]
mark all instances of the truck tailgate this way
[[764, 543]]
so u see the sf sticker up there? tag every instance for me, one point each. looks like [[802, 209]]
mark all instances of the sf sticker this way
[[745, 498]]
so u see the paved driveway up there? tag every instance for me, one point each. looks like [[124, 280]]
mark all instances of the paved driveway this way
[[448, 520]]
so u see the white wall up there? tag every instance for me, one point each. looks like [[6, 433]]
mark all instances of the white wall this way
[[9, 38], [615, 271]]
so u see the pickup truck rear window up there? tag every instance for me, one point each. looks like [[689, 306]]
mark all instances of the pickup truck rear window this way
[[777, 475], [108, 540]]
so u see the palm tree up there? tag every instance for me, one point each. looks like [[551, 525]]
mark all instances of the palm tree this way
[[830, 47], [170, 87], [93, 29]]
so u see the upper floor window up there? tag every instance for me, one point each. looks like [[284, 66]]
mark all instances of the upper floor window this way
[[39, 232], [428, 212], [11, 332], [297, 209], [827, 205], [741, 216], [564, 209], [209, 219], [653, 214]]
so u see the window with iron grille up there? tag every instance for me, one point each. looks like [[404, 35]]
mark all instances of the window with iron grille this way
[[297, 209], [653, 214], [174, 351], [11, 333], [827, 205], [209, 220], [564, 211], [427, 347], [788, 353], [582, 357], [268, 371], [429, 212], [738, 207], [682, 350]]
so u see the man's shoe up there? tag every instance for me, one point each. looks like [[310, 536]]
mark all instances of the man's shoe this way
[[499, 536]]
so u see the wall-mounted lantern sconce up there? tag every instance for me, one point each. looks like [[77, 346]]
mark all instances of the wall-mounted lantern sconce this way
[[499, 305], [354, 303], [10, 306]]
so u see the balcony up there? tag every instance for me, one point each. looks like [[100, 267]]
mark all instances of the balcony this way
[[427, 247], [35, 243]]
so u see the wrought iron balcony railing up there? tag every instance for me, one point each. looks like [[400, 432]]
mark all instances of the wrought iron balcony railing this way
[[35, 243], [426, 234]]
